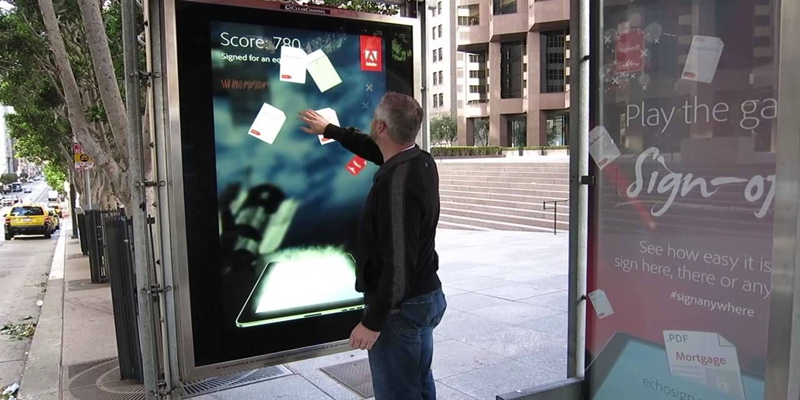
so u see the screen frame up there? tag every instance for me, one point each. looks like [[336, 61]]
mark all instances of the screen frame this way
[[174, 230]]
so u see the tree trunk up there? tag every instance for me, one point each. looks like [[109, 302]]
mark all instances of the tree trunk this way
[[75, 107], [110, 94]]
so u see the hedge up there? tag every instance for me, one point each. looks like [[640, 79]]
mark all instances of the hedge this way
[[537, 148], [466, 151]]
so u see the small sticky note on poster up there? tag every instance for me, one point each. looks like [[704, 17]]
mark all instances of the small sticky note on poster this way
[[602, 147], [706, 358], [293, 65], [600, 303], [268, 124], [323, 72], [356, 165], [703, 59], [330, 115]]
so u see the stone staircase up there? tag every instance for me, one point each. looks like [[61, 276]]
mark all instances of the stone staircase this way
[[504, 196]]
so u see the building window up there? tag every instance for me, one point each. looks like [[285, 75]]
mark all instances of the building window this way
[[511, 70], [505, 7], [477, 74], [435, 99], [469, 15], [435, 81], [439, 8], [434, 55], [441, 99], [477, 58], [440, 54], [517, 131], [441, 78], [433, 33], [557, 126], [554, 62], [440, 30]]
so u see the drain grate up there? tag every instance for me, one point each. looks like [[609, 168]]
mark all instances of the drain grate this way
[[353, 374], [99, 380], [215, 384]]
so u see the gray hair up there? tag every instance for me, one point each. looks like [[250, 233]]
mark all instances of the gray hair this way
[[402, 115]]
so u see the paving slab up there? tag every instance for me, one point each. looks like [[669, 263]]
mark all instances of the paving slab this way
[[290, 387], [452, 358], [474, 301], [513, 312], [554, 325], [486, 383], [516, 291]]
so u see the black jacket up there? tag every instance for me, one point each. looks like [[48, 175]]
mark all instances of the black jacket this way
[[395, 255]]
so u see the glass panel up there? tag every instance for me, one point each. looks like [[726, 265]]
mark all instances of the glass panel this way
[[511, 70], [554, 62], [682, 212], [505, 7]]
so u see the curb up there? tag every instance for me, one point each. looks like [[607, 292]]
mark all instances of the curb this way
[[41, 378]]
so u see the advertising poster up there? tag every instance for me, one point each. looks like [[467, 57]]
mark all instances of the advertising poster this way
[[271, 211], [681, 221]]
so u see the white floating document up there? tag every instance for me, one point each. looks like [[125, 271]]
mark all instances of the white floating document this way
[[330, 115], [321, 69], [268, 124], [706, 358], [600, 303], [293, 65], [602, 147], [701, 64]]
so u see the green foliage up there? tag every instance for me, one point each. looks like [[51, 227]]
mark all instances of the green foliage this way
[[466, 151], [443, 129], [24, 175], [55, 175], [363, 6], [8, 178], [537, 148]]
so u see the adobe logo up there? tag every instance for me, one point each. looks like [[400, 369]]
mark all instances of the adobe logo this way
[[371, 53]]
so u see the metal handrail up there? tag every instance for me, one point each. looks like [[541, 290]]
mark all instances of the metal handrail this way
[[555, 211]]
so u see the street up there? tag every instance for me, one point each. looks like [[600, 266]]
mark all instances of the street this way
[[24, 266]]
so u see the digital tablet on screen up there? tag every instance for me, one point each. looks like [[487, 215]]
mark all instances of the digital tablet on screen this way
[[296, 289], [631, 368]]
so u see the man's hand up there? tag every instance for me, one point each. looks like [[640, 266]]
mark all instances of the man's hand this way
[[316, 123], [363, 338]]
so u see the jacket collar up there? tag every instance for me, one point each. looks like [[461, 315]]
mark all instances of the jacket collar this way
[[398, 159]]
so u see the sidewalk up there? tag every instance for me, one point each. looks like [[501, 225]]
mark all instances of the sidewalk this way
[[505, 328]]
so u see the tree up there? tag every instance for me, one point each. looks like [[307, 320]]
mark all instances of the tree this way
[[362, 6], [8, 178], [481, 131], [55, 175], [61, 68], [443, 130]]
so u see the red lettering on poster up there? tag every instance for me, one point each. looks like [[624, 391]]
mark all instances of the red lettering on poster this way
[[371, 53]]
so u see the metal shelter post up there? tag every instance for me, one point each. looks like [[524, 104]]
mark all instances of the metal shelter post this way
[[136, 177]]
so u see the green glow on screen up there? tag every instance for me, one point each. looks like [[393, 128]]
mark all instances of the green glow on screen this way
[[308, 276]]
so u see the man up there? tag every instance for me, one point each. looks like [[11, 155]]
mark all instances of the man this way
[[395, 255]]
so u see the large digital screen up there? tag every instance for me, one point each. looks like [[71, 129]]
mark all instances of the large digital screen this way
[[271, 211]]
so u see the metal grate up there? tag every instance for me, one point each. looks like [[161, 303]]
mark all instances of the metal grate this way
[[355, 375], [215, 384], [99, 380], [84, 284]]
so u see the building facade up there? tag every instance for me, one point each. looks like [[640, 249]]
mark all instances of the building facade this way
[[512, 72], [442, 57], [7, 161]]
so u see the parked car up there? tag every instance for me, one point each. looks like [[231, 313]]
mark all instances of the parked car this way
[[28, 219], [28, 190]]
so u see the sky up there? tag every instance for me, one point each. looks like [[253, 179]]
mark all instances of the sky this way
[[5, 5]]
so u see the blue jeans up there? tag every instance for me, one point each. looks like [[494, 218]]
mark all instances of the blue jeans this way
[[401, 358]]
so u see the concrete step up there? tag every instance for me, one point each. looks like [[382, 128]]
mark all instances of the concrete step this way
[[562, 215], [561, 194], [460, 227], [498, 196], [503, 185], [502, 174], [507, 219], [532, 205], [492, 225], [504, 178]]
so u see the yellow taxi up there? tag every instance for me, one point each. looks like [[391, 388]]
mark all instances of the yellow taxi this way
[[55, 214], [57, 209], [28, 219]]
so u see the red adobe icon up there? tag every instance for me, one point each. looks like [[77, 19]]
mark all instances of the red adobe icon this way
[[356, 165], [371, 53]]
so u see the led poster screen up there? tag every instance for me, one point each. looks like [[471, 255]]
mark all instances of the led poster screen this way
[[272, 212]]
